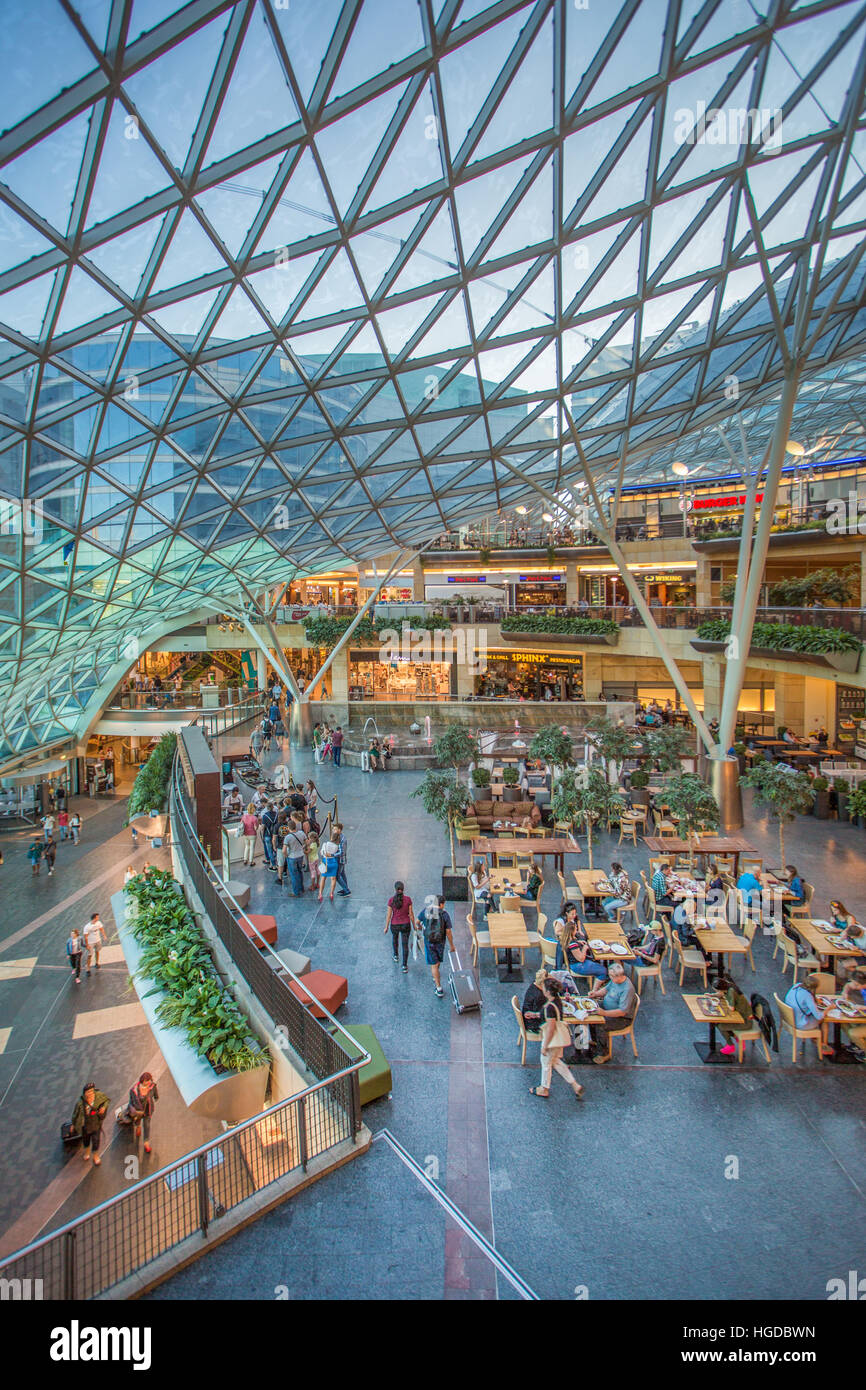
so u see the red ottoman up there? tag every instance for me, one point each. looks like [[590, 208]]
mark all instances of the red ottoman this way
[[265, 925], [330, 990]]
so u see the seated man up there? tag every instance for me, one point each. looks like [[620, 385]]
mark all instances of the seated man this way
[[806, 1009], [617, 1003]]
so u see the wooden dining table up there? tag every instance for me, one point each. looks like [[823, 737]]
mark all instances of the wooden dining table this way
[[508, 932], [555, 845], [707, 1050], [707, 846]]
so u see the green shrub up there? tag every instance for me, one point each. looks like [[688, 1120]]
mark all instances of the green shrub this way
[[791, 637], [542, 622], [176, 958], [150, 788]]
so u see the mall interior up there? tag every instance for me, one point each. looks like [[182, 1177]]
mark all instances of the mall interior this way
[[432, 608]]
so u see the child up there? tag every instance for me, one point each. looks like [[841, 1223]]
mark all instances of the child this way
[[313, 859]]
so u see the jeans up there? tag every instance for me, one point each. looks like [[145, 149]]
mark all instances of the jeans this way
[[396, 933], [269, 849], [611, 904], [296, 875], [338, 753]]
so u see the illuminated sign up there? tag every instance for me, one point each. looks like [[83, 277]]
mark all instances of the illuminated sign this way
[[737, 500]]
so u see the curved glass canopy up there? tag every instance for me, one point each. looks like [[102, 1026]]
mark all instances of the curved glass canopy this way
[[292, 284]]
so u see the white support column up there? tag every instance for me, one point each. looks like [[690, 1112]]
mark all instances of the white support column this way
[[741, 636]]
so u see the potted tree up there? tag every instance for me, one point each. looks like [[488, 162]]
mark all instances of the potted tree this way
[[510, 780], [821, 804], [691, 803], [784, 793], [842, 788], [446, 801], [585, 795]]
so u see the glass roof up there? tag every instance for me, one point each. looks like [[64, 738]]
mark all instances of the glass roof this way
[[292, 284]]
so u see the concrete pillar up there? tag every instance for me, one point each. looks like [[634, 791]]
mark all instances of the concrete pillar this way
[[790, 693], [592, 675], [572, 584]]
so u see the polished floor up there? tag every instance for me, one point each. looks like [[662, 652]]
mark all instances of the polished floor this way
[[671, 1180]]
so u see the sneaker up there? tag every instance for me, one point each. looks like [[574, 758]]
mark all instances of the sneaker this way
[[405, 970], [439, 991]]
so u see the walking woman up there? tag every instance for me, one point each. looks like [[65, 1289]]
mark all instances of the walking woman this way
[[329, 867], [142, 1099], [555, 1038], [87, 1119], [74, 951], [249, 828], [400, 921]]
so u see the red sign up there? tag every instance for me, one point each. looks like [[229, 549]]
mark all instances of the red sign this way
[[738, 500]]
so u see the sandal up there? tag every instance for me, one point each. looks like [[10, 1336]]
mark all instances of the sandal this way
[[542, 1095]]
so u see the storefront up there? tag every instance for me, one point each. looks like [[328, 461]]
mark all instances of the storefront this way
[[668, 588], [518, 675], [373, 679], [539, 591]]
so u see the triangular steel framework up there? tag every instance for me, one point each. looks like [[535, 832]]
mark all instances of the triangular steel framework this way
[[295, 285]]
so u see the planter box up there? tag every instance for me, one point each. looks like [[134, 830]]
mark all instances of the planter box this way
[[577, 639], [848, 662], [230, 1096]]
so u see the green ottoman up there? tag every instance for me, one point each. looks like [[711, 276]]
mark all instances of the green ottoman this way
[[375, 1077]]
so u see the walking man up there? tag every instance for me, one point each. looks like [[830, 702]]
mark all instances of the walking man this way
[[94, 940], [337, 745], [340, 841]]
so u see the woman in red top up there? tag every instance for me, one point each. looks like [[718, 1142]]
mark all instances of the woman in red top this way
[[400, 921]]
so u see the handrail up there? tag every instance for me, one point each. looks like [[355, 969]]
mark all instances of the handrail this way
[[220, 888]]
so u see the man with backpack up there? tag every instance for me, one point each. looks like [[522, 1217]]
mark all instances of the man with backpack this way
[[436, 925]]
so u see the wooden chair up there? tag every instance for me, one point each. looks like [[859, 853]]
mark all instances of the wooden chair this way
[[631, 909], [790, 957], [628, 1031], [689, 958], [525, 1035], [803, 909], [480, 938], [786, 1020], [748, 930], [572, 895], [751, 862], [642, 970]]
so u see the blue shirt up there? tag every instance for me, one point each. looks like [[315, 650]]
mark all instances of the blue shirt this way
[[806, 1011], [618, 994]]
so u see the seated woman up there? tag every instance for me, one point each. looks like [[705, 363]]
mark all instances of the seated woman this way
[[480, 882], [737, 1003], [573, 950], [533, 1002], [621, 885]]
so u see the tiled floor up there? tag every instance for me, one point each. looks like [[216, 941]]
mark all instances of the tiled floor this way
[[620, 1197]]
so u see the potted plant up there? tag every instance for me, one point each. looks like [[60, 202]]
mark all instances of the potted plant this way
[[821, 804], [510, 780], [740, 750], [446, 801], [585, 795], [842, 788], [784, 793], [639, 783], [692, 804], [857, 804]]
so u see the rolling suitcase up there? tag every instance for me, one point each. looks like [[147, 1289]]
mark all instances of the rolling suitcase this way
[[465, 992]]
